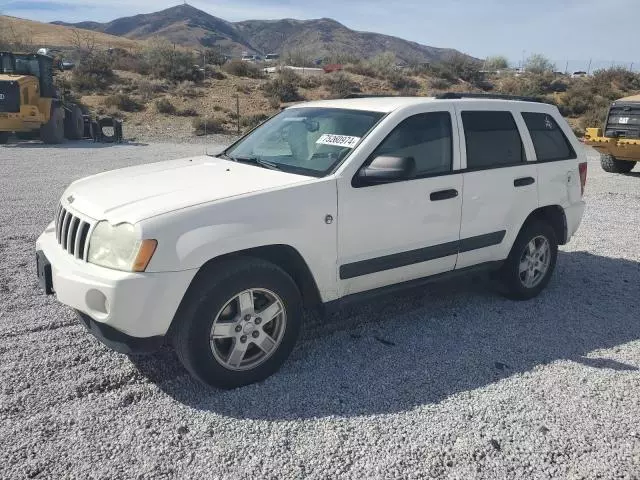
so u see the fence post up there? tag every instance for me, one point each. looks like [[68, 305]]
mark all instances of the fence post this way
[[238, 111]]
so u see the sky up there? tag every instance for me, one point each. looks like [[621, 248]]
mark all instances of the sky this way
[[574, 31]]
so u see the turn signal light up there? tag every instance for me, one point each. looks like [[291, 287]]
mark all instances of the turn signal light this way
[[147, 249]]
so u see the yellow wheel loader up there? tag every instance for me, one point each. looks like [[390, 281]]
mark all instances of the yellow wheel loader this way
[[619, 141], [30, 104]]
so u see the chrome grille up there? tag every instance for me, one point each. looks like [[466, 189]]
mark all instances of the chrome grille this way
[[72, 233]]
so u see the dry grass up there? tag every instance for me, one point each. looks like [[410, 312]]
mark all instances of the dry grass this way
[[47, 35]]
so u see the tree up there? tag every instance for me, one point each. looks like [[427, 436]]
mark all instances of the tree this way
[[537, 63], [497, 62], [84, 42], [463, 67]]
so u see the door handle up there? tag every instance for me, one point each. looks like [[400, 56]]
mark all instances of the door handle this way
[[523, 182], [443, 195]]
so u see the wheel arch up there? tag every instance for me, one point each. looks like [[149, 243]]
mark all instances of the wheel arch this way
[[284, 256], [555, 216]]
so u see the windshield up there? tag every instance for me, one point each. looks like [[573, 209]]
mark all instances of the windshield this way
[[309, 141]]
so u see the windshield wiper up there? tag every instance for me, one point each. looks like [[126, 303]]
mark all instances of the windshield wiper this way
[[255, 161], [223, 155]]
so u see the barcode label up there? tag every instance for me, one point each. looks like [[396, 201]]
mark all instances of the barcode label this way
[[338, 140]]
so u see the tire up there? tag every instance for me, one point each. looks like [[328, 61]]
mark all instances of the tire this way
[[4, 137], [611, 165], [52, 132], [74, 123], [511, 276], [214, 295]]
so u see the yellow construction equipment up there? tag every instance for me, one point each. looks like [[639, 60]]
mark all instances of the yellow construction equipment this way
[[619, 141], [30, 103]]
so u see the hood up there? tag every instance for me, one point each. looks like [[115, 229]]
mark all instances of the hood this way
[[135, 193]]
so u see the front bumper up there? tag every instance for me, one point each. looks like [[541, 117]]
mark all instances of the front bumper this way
[[120, 308]]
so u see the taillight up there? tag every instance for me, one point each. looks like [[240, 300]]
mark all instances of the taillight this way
[[583, 176]]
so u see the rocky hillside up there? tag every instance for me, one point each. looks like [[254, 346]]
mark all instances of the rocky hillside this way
[[320, 38]]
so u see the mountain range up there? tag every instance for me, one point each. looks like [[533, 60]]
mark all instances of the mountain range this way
[[319, 38]]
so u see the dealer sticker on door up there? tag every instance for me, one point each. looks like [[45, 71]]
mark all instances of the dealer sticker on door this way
[[338, 140]]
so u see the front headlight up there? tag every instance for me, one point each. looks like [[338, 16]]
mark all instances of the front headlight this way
[[119, 247]]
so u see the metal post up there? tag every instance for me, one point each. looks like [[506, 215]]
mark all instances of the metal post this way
[[238, 112]]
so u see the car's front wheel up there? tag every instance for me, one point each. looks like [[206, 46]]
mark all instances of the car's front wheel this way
[[238, 323], [531, 262]]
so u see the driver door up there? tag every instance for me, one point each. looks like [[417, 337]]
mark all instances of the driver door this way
[[396, 232]]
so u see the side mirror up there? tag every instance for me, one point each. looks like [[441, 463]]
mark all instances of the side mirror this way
[[385, 169]]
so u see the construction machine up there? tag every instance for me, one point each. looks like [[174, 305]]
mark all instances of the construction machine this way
[[31, 105], [618, 141]]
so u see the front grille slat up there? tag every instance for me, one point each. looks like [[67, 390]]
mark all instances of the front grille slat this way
[[59, 220], [65, 230], [71, 237], [83, 241], [72, 233]]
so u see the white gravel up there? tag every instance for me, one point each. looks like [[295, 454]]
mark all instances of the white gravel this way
[[451, 381]]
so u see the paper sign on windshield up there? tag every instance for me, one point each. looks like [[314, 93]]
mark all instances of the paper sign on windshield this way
[[338, 140]]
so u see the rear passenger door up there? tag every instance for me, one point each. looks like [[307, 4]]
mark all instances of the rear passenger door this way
[[500, 182], [558, 174]]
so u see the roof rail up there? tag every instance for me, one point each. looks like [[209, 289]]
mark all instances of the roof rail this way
[[494, 96], [367, 95]]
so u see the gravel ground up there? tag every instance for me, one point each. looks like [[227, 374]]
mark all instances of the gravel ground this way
[[452, 381]]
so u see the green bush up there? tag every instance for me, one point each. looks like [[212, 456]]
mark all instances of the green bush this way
[[340, 85], [362, 68], [123, 102], [206, 126], [93, 73], [251, 121], [614, 82], [538, 64], [284, 87], [165, 106], [161, 60], [239, 68], [398, 81], [439, 83]]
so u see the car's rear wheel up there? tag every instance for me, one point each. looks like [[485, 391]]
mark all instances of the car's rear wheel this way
[[238, 323], [531, 262], [610, 164]]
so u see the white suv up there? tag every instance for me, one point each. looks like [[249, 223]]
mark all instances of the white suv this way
[[321, 204]]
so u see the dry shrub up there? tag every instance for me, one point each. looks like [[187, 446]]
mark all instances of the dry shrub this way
[[239, 68], [206, 126], [340, 85], [123, 102], [163, 105]]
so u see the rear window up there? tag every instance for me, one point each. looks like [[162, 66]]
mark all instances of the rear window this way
[[492, 139], [549, 140]]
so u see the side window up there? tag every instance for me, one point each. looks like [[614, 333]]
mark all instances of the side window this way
[[549, 140], [492, 139], [427, 138]]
